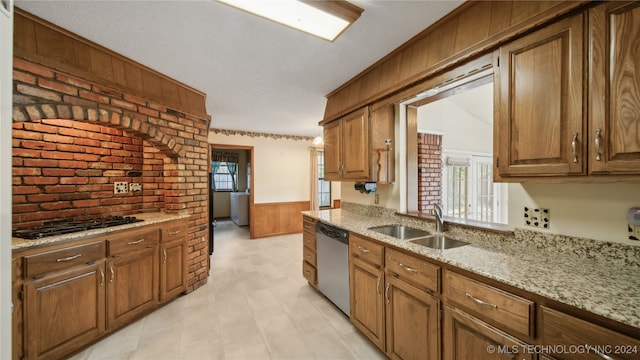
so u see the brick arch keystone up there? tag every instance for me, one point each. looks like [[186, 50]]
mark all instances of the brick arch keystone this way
[[94, 114]]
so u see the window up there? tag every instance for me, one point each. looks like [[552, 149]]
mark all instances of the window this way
[[224, 176], [468, 190], [324, 187]]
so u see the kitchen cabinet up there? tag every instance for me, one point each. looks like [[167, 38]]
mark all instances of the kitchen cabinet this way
[[412, 321], [356, 149], [563, 330], [63, 311], [539, 127], [346, 147], [466, 337], [132, 270], [367, 282], [173, 263], [614, 88], [309, 257], [67, 295]]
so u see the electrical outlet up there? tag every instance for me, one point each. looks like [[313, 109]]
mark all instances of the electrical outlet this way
[[634, 232], [120, 187], [537, 217], [135, 187]]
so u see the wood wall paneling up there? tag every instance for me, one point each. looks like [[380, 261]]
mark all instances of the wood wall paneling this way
[[281, 218], [47, 44], [472, 29]]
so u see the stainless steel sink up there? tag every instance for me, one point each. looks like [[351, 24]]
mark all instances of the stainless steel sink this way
[[400, 231], [438, 241]]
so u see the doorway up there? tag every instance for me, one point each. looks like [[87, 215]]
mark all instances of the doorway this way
[[231, 182]]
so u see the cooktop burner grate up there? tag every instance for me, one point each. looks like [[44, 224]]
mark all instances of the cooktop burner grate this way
[[59, 227]]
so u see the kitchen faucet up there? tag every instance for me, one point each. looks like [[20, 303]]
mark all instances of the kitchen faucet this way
[[437, 212]]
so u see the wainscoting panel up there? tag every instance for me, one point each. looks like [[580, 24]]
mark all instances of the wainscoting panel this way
[[277, 218]]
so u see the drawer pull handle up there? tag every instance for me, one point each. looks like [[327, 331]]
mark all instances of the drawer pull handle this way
[[412, 270], [480, 302], [69, 258], [364, 250], [135, 242], [307, 272], [604, 356], [175, 232]]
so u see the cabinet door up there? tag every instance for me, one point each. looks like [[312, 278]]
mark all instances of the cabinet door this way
[[413, 322], [64, 312], [367, 303], [355, 143], [540, 118], [614, 97], [332, 137], [132, 287], [173, 269], [469, 338]]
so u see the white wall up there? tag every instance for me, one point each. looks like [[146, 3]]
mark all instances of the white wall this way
[[282, 166], [461, 130], [6, 74]]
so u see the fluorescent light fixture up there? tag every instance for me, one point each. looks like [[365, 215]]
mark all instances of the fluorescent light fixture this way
[[325, 19]]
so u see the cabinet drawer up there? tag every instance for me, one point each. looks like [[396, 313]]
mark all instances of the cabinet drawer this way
[[37, 265], [493, 305], [413, 270], [309, 272], [366, 250], [559, 329], [132, 241], [174, 231], [309, 256], [309, 226], [309, 240]]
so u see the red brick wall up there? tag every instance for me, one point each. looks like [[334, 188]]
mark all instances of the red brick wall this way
[[72, 139], [429, 171]]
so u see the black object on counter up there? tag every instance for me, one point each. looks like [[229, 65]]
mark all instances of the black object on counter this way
[[59, 227]]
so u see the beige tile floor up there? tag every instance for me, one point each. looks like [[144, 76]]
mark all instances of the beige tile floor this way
[[255, 305]]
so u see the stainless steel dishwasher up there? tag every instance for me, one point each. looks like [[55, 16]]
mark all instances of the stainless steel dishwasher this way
[[333, 264]]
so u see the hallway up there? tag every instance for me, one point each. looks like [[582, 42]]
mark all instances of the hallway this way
[[255, 305]]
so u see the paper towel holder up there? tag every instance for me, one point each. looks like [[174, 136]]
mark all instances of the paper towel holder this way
[[365, 187]]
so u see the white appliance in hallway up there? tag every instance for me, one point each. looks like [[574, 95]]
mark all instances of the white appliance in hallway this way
[[239, 203]]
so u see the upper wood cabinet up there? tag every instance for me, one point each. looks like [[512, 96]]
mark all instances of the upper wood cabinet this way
[[356, 149], [539, 127], [614, 88]]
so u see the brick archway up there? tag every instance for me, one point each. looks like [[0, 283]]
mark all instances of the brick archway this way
[[169, 146]]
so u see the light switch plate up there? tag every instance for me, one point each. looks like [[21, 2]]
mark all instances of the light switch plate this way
[[120, 187], [537, 217]]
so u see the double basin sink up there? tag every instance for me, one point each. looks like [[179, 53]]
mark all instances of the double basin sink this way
[[420, 237]]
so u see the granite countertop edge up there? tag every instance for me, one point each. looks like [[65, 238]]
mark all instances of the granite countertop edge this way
[[603, 288], [149, 219]]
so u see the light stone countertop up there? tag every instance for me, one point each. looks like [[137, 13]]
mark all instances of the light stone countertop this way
[[149, 219], [599, 286]]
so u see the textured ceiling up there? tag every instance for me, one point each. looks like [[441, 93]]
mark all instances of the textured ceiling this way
[[258, 76]]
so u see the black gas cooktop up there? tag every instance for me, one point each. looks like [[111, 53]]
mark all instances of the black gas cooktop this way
[[59, 227]]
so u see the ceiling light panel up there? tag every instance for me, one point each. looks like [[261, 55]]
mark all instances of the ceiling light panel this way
[[326, 22]]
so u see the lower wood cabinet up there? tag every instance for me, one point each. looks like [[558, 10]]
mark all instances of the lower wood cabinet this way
[[466, 337], [173, 269], [367, 301], [133, 286], [66, 296], [562, 331], [413, 322], [63, 312]]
